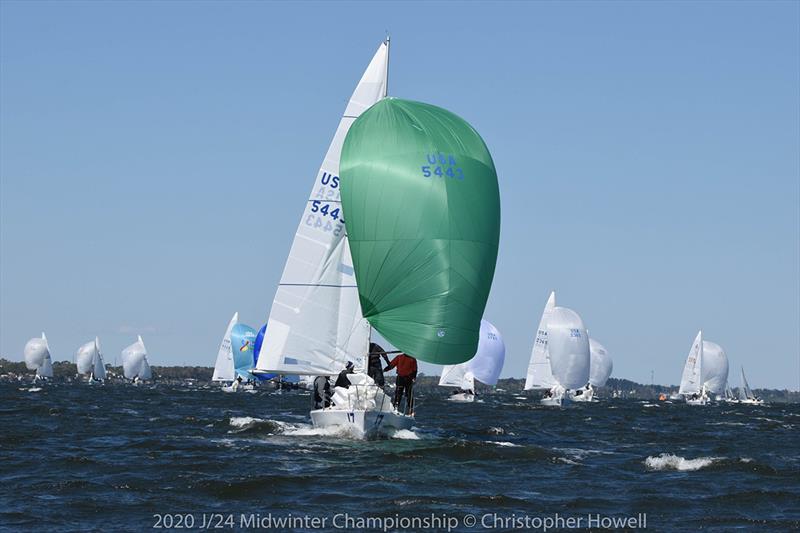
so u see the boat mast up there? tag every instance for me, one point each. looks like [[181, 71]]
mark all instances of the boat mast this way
[[386, 85]]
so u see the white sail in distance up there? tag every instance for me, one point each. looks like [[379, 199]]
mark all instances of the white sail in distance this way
[[692, 379], [223, 368], [715, 367], [539, 375], [745, 393], [99, 366], [568, 348], [85, 356], [485, 366], [35, 352], [46, 370], [315, 324], [134, 361], [601, 364]]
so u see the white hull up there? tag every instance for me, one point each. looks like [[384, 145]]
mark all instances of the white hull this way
[[751, 402], [361, 423], [697, 401], [586, 395], [461, 397]]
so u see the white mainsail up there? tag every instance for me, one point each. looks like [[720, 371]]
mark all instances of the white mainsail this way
[[568, 348], [223, 368], [134, 361], [457, 376], [715, 367], [692, 379], [540, 376], [601, 364], [315, 324], [46, 370], [99, 366], [485, 366], [745, 393]]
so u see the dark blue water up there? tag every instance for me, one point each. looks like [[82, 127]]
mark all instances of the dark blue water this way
[[80, 458]]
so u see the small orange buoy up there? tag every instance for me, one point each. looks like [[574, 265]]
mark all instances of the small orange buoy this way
[[662, 397]]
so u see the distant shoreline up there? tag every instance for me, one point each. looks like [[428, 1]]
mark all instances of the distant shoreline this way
[[65, 371]]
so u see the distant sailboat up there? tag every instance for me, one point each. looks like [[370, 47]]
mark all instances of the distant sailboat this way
[[561, 358], [37, 357], [746, 395], [224, 370], [89, 360], [600, 370], [135, 365], [692, 387], [485, 366]]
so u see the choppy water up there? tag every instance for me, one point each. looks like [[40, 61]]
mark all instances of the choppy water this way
[[108, 458]]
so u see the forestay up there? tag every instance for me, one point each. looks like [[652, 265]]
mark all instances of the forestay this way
[[315, 324]]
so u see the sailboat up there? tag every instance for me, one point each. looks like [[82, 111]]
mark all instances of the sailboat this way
[[329, 299], [224, 370], [692, 387], [560, 358], [729, 396], [37, 357], [89, 360], [485, 366], [135, 365], [600, 369], [746, 395]]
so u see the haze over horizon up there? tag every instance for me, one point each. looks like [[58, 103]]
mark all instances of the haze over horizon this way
[[155, 158]]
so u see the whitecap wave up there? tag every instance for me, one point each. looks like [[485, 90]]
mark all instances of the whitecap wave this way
[[241, 422], [404, 434], [503, 443], [668, 461]]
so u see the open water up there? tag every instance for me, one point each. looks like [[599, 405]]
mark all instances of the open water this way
[[115, 457]]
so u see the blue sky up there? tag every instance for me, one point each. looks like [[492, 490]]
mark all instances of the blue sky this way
[[155, 158]]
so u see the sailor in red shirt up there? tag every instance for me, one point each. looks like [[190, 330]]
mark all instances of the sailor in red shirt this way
[[406, 375]]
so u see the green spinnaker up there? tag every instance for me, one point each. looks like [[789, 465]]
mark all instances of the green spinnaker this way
[[422, 213]]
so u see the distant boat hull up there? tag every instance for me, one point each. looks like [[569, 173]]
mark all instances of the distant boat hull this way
[[462, 397], [586, 395], [702, 400], [361, 423], [751, 401]]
